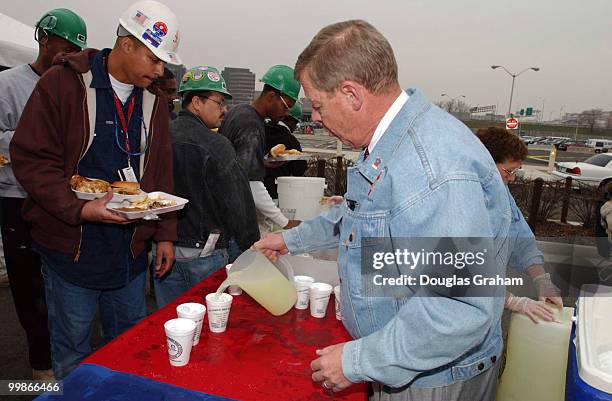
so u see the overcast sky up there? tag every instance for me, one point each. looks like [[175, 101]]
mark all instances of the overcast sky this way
[[442, 46]]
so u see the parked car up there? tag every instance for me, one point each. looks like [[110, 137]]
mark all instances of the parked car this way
[[596, 170], [527, 140], [563, 145]]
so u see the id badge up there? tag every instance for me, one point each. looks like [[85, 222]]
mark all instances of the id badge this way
[[210, 244], [127, 174]]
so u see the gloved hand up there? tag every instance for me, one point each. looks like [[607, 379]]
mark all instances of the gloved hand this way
[[547, 291], [534, 309]]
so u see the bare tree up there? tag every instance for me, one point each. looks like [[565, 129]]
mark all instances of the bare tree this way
[[456, 106], [590, 118]]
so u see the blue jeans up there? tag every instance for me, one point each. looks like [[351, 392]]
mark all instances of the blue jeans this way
[[233, 250], [72, 310], [185, 275]]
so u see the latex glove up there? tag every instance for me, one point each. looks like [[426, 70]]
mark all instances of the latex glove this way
[[533, 309], [547, 291]]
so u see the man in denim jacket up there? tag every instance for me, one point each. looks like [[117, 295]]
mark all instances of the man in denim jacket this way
[[422, 174]]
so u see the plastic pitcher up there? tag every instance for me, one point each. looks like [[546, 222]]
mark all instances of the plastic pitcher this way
[[259, 278], [536, 359]]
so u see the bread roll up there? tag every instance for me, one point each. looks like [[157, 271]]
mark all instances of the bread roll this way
[[126, 187], [278, 150]]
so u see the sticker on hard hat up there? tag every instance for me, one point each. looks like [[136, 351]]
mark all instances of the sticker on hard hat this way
[[140, 18], [202, 68], [156, 35], [197, 75], [213, 76], [187, 76], [176, 37], [160, 29]]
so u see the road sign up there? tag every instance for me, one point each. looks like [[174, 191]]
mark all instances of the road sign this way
[[483, 109], [512, 123]]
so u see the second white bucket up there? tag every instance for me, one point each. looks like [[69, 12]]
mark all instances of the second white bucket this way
[[303, 194]]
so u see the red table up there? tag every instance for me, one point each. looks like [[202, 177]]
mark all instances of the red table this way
[[259, 357]]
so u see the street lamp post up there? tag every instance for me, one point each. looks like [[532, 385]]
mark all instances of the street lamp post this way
[[513, 78], [542, 111], [452, 99]]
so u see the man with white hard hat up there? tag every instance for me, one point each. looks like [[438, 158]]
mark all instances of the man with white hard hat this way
[[95, 114]]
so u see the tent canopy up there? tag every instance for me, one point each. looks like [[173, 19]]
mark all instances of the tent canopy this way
[[19, 47]]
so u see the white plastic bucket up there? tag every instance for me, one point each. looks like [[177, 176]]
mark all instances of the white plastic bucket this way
[[302, 194]]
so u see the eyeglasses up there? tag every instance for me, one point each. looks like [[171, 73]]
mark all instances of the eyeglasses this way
[[510, 172], [284, 103], [222, 104]]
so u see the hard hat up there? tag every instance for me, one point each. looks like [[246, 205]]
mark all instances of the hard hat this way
[[64, 24], [296, 112], [281, 77], [204, 79], [155, 25]]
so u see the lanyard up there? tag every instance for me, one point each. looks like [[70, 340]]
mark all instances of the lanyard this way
[[125, 123]]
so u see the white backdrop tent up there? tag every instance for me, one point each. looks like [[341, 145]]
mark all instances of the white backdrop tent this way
[[17, 45]]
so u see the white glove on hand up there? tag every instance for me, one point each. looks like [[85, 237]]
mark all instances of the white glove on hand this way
[[547, 291], [534, 309]]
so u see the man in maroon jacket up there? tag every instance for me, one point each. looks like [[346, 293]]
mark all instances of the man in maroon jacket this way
[[90, 114]]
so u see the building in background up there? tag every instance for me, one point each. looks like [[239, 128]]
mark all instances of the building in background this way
[[240, 83]]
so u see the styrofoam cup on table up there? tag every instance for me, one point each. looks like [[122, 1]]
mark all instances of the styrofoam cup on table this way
[[179, 337], [319, 298], [218, 306], [302, 286], [193, 311], [232, 289], [337, 297]]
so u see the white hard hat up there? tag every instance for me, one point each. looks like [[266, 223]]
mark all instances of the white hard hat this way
[[155, 25]]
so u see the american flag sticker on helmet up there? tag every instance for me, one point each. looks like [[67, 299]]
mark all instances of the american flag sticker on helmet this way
[[140, 18]]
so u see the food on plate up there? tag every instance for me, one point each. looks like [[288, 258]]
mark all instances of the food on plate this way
[[148, 203], [281, 150], [4, 160], [126, 187], [88, 185], [278, 150]]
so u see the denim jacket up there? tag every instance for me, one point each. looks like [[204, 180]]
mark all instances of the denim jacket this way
[[428, 176], [524, 251]]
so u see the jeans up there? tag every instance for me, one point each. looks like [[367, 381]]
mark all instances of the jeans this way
[[233, 250], [185, 275], [72, 310]]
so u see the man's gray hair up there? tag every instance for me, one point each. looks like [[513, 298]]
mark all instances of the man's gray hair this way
[[351, 50]]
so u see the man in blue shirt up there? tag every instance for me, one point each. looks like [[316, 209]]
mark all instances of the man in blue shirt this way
[[417, 161]]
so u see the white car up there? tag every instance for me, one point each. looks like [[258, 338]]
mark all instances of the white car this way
[[596, 170]]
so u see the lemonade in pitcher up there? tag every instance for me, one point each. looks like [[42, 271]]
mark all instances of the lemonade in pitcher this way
[[259, 278]]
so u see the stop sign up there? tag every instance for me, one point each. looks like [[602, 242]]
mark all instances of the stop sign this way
[[512, 123]]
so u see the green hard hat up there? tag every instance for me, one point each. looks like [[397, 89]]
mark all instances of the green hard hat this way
[[296, 112], [204, 79], [64, 24], [281, 77]]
